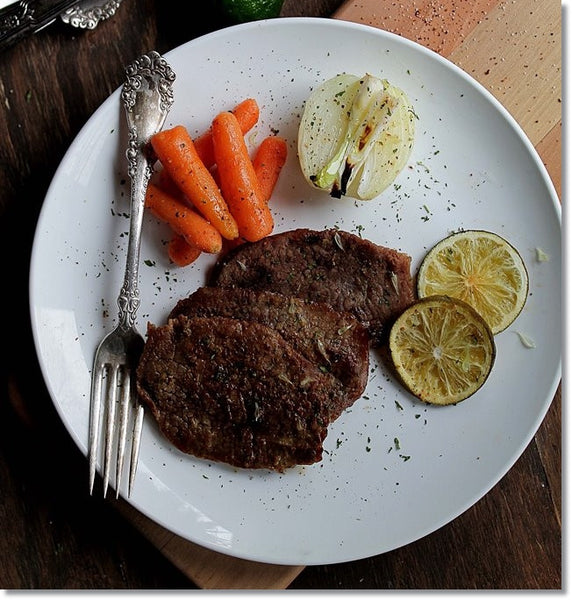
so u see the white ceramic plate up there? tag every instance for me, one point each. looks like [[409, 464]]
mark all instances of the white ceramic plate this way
[[394, 469]]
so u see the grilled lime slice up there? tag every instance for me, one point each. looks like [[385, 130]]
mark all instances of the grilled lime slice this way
[[442, 349], [481, 268]]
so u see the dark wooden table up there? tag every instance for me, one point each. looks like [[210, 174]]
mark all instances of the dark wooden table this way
[[54, 535]]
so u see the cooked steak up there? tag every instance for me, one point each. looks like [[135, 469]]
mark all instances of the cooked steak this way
[[234, 391], [335, 267], [334, 341]]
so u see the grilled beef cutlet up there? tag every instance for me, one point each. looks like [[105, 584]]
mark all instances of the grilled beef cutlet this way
[[335, 342], [234, 391], [334, 267]]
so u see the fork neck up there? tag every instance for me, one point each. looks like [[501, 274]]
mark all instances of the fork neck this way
[[140, 171]]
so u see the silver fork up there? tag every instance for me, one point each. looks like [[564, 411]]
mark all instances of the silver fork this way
[[147, 96]]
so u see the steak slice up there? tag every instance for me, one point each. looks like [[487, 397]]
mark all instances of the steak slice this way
[[334, 341], [234, 391], [335, 267]]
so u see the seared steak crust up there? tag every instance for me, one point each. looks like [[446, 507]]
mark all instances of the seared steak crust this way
[[335, 342], [234, 391], [335, 267]]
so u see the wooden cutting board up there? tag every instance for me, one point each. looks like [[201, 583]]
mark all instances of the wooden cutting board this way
[[513, 48]]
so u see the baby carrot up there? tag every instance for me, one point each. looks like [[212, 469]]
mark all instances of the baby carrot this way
[[268, 161], [183, 220], [181, 252], [176, 151], [166, 183], [239, 185], [246, 113]]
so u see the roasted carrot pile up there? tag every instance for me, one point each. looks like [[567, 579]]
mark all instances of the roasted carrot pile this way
[[209, 189]]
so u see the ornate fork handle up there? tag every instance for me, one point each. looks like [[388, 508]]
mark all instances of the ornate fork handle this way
[[21, 18], [147, 96]]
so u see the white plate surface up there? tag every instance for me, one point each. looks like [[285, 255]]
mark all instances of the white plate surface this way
[[394, 469]]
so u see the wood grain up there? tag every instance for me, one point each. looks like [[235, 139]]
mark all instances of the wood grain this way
[[439, 26], [57, 537], [209, 569], [532, 51]]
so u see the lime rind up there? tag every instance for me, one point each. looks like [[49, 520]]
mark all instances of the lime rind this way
[[242, 11], [442, 350], [480, 268]]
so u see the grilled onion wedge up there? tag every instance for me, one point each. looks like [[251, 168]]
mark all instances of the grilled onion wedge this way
[[355, 136]]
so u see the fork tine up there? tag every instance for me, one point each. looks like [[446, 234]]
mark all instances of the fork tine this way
[[124, 391], [110, 429], [94, 421], [137, 428]]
